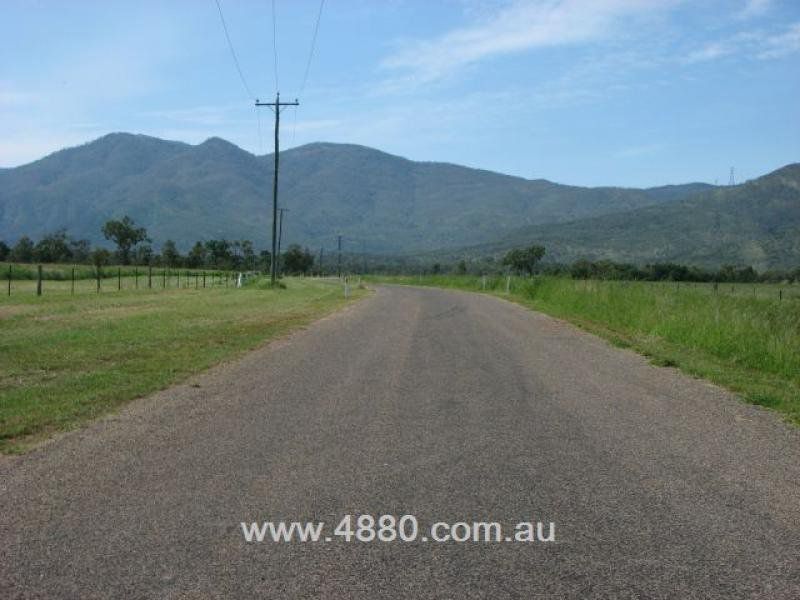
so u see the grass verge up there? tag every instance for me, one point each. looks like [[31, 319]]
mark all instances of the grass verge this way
[[748, 343], [67, 359]]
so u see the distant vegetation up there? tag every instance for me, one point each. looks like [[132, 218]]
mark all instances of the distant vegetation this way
[[756, 223], [384, 204], [133, 248], [745, 339]]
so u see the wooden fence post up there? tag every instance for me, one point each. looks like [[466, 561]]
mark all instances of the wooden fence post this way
[[9, 280], [39, 280], [149, 277], [72, 286], [98, 278], [136, 277], [204, 279], [119, 279]]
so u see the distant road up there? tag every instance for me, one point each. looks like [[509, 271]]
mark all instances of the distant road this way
[[443, 405]]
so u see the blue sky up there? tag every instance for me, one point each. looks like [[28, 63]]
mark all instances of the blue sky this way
[[588, 92]]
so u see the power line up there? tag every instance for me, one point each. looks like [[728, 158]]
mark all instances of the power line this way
[[308, 63], [260, 137], [233, 52], [313, 47], [294, 124], [275, 44]]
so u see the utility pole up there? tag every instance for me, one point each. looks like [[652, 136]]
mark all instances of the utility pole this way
[[276, 107], [339, 264], [280, 233]]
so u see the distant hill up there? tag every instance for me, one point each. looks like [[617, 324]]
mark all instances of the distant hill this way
[[756, 223], [377, 201]]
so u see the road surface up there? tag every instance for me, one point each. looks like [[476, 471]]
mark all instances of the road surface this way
[[448, 406]]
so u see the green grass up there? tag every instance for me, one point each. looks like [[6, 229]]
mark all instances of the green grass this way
[[63, 274], [746, 339], [65, 359]]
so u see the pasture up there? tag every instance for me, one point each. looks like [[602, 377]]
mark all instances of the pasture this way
[[67, 358]]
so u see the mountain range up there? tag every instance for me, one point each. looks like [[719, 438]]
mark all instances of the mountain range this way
[[386, 204]]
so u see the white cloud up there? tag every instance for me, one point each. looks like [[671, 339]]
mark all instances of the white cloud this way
[[523, 25], [782, 44], [754, 8], [759, 44], [710, 51]]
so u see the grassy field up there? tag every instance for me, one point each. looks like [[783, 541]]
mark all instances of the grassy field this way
[[65, 359], [58, 278], [744, 338]]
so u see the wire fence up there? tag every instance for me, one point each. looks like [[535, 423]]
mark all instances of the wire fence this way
[[82, 279]]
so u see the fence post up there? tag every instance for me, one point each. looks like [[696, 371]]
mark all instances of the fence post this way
[[97, 268], [72, 286], [196, 280], [39, 280], [9, 280], [780, 294], [204, 279], [136, 277], [149, 277], [119, 279]]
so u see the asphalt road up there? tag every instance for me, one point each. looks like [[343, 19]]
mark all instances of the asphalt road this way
[[444, 405]]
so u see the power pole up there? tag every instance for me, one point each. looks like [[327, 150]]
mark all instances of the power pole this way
[[280, 232], [339, 264], [276, 107]]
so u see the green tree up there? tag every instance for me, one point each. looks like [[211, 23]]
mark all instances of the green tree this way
[[53, 248], [265, 260], [524, 260], [461, 269], [219, 253], [197, 256], [81, 250], [4, 250], [248, 254], [170, 254], [22, 250], [143, 255], [125, 235], [297, 260], [100, 257]]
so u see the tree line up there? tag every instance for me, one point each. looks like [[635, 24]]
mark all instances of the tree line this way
[[133, 247], [527, 261]]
